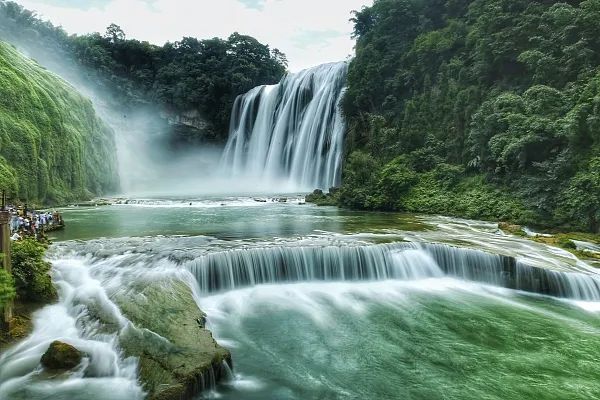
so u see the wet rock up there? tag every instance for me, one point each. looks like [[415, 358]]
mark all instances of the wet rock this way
[[511, 228], [61, 357], [178, 357]]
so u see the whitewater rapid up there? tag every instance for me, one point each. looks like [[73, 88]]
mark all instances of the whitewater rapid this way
[[323, 280]]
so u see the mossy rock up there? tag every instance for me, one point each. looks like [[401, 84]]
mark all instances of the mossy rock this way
[[511, 228], [61, 356], [320, 198], [175, 351]]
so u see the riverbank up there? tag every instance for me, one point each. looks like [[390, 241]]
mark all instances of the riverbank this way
[[32, 285], [21, 325], [584, 245]]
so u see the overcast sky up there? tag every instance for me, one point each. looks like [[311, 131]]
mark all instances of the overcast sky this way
[[309, 32]]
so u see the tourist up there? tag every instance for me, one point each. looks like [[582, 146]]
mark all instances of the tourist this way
[[14, 223]]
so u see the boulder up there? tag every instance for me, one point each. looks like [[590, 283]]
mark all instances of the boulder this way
[[178, 357], [61, 357]]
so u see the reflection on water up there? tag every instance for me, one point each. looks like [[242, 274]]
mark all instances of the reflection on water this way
[[229, 218]]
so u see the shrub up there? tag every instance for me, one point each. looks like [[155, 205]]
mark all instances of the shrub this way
[[31, 272], [7, 287]]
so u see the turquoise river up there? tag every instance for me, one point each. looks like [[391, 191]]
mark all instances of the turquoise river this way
[[321, 303]]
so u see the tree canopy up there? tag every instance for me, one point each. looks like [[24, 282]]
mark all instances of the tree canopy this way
[[191, 74], [503, 94]]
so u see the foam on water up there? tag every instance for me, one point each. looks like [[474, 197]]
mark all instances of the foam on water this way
[[80, 318], [314, 276]]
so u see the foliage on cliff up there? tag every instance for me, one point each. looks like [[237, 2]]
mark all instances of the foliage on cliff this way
[[31, 272], [53, 148], [479, 108], [188, 75]]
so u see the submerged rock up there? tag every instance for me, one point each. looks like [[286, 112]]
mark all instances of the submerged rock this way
[[61, 357], [177, 357]]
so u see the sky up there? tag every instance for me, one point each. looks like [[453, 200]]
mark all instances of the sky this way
[[309, 32]]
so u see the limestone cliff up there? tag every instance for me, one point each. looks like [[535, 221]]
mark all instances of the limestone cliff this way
[[53, 147]]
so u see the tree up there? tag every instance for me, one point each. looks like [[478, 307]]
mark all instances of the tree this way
[[476, 96], [114, 33], [580, 206]]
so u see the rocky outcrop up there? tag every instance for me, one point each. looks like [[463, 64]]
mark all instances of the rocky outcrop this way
[[61, 357], [178, 357], [189, 127]]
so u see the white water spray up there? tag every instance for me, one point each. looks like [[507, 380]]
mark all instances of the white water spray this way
[[292, 132]]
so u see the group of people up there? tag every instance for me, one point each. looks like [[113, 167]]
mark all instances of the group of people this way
[[31, 223]]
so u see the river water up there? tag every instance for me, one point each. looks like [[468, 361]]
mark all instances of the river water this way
[[321, 303]]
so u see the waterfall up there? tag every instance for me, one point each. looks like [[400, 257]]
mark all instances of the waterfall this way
[[237, 268], [291, 132]]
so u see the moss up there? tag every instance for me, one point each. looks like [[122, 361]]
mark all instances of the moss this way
[[174, 349], [53, 147], [61, 357], [512, 229], [21, 324], [7, 287]]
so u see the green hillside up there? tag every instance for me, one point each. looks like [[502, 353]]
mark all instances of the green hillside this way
[[477, 108], [53, 147]]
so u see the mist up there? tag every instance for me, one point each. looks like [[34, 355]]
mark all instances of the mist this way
[[148, 163], [288, 147]]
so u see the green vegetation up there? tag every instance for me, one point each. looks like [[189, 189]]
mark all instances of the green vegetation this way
[[31, 272], [476, 108], [188, 75], [320, 198], [7, 288], [53, 148]]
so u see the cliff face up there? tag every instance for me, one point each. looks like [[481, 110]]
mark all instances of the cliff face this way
[[53, 147], [189, 127]]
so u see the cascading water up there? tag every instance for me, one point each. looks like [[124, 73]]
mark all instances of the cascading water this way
[[302, 304], [238, 268], [80, 318], [292, 132]]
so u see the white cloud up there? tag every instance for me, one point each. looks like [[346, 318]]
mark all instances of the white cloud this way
[[310, 32]]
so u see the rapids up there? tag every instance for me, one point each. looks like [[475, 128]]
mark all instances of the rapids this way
[[316, 302]]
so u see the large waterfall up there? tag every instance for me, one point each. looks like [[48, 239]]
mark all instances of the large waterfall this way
[[290, 133]]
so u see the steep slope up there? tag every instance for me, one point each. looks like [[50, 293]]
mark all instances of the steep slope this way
[[53, 147], [477, 108]]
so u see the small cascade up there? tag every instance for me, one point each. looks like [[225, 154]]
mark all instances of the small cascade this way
[[254, 266], [207, 381], [498, 270], [86, 318], [238, 268], [291, 132]]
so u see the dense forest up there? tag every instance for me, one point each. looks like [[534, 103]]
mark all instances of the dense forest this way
[[476, 108], [190, 75], [53, 147]]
